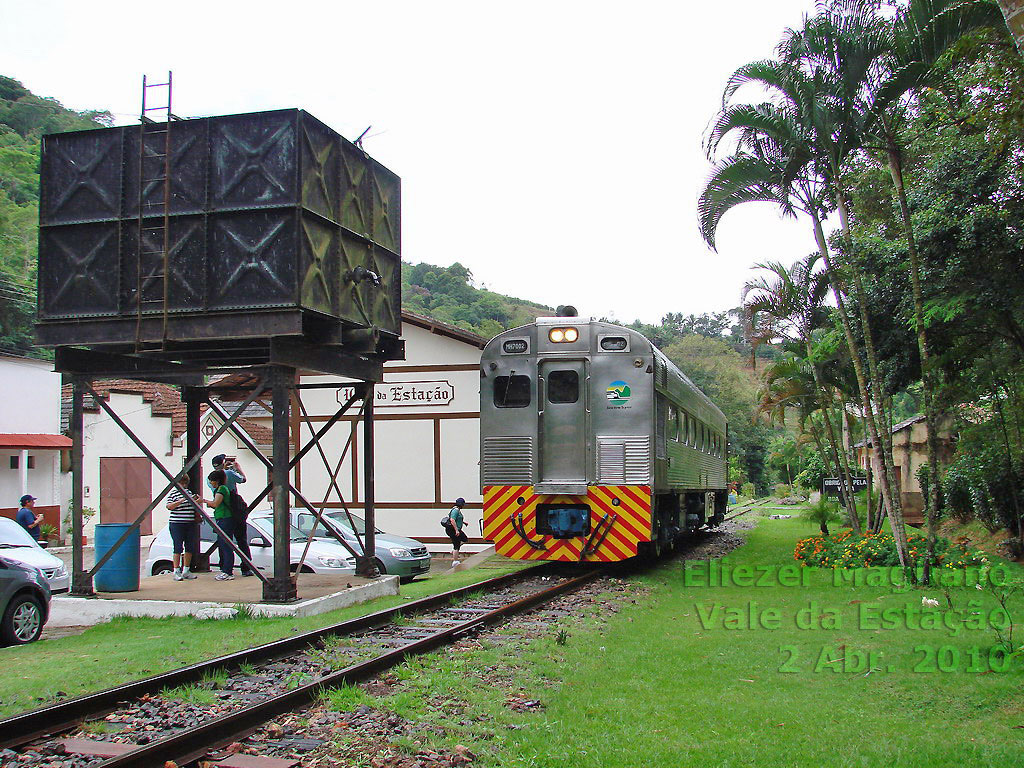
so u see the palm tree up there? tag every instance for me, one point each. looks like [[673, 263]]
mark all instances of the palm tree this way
[[860, 65], [790, 152], [877, 79], [792, 298]]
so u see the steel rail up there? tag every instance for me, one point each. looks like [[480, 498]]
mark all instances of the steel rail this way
[[56, 718], [194, 743]]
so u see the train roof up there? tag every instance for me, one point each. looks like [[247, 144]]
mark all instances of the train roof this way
[[672, 371]]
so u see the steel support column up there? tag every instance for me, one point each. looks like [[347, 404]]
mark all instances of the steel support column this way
[[81, 580], [281, 588], [366, 565], [194, 398]]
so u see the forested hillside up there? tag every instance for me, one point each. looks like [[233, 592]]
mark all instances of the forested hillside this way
[[24, 118], [447, 294]]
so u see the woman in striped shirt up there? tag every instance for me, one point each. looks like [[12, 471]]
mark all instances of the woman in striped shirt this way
[[182, 527]]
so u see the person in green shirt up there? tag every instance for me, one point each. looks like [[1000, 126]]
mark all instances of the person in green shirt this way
[[221, 505], [456, 523]]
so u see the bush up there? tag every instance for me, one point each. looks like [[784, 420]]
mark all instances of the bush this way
[[748, 491], [821, 513], [782, 490], [980, 484], [845, 550]]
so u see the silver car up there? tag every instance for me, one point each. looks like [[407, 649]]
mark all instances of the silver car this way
[[397, 555], [17, 544], [323, 557]]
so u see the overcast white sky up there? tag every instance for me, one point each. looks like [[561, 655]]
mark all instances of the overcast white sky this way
[[552, 147]]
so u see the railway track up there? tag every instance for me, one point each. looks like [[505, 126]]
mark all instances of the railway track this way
[[748, 506], [258, 684]]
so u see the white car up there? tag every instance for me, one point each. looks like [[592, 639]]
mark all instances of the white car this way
[[17, 544], [324, 557]]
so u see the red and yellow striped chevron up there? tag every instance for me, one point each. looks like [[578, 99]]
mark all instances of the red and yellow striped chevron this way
[[628, 506]]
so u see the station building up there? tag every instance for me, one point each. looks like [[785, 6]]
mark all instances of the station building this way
[[32, 449], [427, 437], [910, 453]]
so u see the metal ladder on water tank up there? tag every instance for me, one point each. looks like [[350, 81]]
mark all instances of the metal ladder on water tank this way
[[153, 239]]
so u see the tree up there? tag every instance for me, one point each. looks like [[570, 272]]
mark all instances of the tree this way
[[791, 151], [788, 304]]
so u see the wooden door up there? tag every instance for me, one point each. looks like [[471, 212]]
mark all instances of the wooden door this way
[[126, 488]]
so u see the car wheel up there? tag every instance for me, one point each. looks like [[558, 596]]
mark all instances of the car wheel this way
[[23, 620], [381, 570], [162, 567]]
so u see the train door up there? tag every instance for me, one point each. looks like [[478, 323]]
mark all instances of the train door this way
[[563, 419]]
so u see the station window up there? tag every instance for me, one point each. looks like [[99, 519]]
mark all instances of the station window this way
[[563, 387], [511, 391]]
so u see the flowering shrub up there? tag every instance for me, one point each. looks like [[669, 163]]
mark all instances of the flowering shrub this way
[[845, 550]]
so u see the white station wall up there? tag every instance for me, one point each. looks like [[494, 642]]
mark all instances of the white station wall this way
[[30, 404], [432, 395]]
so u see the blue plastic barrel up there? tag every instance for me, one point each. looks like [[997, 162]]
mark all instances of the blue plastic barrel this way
[[121, 572]]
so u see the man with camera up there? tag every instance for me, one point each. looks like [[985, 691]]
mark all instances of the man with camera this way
[[239, 509]]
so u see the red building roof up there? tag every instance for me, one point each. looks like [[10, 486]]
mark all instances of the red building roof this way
[[52, 442]]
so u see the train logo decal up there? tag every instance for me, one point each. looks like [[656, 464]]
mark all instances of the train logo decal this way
[[618, 393]]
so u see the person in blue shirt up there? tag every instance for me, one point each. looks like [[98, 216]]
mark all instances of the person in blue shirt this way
[[29, 519]]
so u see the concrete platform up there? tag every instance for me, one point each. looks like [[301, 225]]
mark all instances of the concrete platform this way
[[160, 596]]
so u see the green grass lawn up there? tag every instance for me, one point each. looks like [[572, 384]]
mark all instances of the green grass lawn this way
[[655, 686], [132, 648]]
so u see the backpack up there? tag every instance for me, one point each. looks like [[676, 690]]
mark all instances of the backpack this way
[[238, 506]]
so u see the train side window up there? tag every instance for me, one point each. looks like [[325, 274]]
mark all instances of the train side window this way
[[691, 431], [673, 423], [511, 391], [563, 386]]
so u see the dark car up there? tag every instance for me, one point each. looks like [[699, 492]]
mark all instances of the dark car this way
[[24, 602]]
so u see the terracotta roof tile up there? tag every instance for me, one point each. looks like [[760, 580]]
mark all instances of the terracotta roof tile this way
[[164, 400]]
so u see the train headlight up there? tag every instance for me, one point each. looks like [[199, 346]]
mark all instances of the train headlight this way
[[562, 335]]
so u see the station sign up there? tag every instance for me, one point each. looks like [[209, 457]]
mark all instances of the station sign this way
[[399, 394], [833, 486]]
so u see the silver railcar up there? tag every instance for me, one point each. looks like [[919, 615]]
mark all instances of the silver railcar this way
[[594, 446]]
